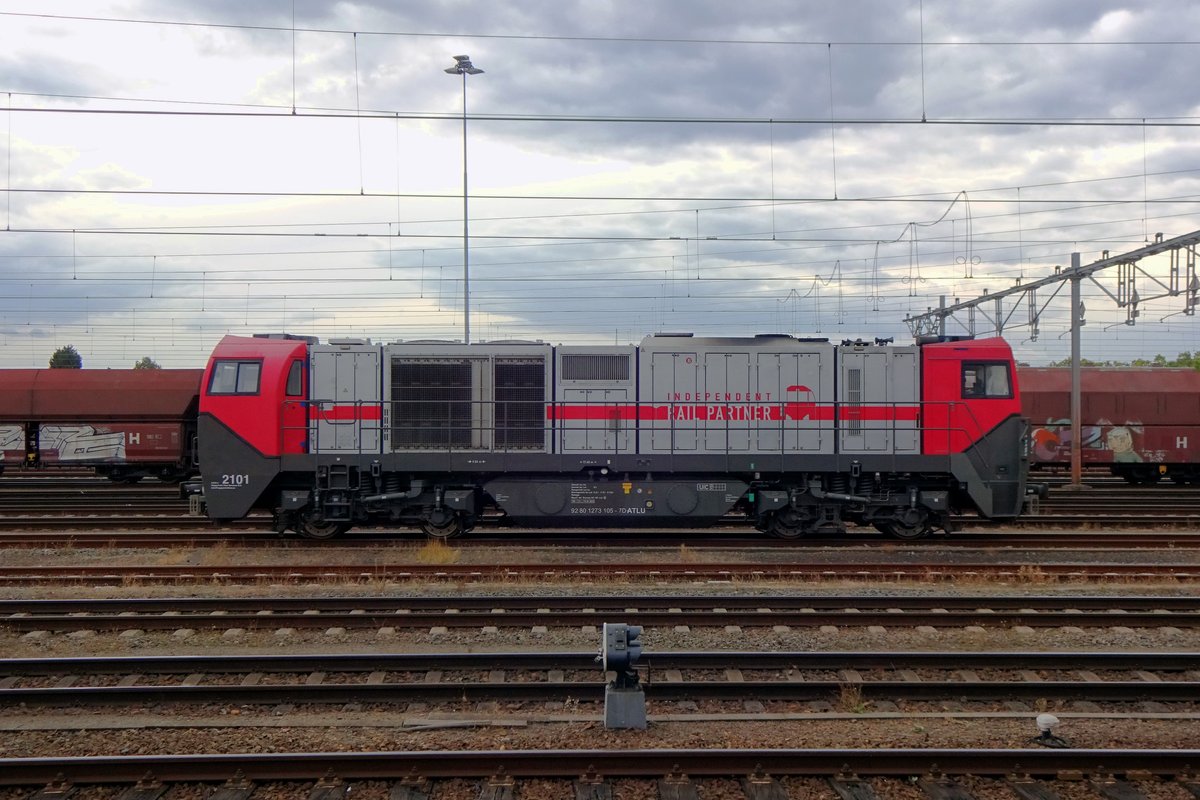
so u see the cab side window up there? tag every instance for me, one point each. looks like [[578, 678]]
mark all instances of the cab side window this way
[[295, 381], [989, 380], [235, 377]]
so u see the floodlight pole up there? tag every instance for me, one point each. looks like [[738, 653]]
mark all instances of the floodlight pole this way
[[1076, 393], [464, 67]]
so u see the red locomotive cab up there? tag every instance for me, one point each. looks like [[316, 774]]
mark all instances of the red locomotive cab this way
[[970, 388], [258, 389]]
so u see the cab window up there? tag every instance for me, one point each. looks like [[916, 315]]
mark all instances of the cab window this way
[[987, 380], [295, 381], [235, 377]]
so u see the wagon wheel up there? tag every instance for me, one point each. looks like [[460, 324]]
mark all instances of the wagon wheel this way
[[787, 523], [311, 528], [1147, 476]]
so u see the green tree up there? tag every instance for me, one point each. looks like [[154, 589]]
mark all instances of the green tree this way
[[147, 363], [1185, 359], [66, 358], [1085, 362]]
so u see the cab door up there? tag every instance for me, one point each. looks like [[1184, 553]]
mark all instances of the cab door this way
[[295, 408]]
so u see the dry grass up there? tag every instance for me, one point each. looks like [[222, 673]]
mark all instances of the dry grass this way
[[216, 555], [436, 551], [176, 556], [1032, 573], [850, 698]]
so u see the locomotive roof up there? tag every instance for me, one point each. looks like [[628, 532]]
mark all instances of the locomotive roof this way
[[759, 340], [97, 395]]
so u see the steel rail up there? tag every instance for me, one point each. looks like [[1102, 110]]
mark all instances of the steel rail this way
[[601, 763], [525, 619], [57, 503], [788, 686], [672, 603], [1011, 539], [675, 603], [584, 661], [895, 569], [509, 612], [1134, 516], [475, 691]]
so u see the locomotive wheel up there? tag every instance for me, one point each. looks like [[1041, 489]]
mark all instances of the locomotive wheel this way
[[310, 529], [906, 523], [786, 523], [448, 530], [443, 524], [917, 529]]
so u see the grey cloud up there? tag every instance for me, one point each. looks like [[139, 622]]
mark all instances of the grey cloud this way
[[39, 73], [880, 77]]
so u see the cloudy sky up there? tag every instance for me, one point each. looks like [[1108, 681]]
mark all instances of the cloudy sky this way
[[177, 171]]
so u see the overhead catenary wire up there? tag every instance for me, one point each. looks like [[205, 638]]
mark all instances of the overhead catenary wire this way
[[740, 250], [595, 38]]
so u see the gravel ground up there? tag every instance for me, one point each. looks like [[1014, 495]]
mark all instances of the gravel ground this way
[[226, 730], [836, 733], [706, 789], [17, 645], [298, 551]]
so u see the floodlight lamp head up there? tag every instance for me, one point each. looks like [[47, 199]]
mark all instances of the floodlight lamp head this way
[[463, 67]]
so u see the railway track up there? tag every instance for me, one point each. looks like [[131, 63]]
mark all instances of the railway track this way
[[593, 771], [153, 517], [665, 539], [756, 677], [891, 569], [83, 503], [424, 612]]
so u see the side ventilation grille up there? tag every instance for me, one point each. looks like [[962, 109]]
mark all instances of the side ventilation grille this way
[[610, 368]]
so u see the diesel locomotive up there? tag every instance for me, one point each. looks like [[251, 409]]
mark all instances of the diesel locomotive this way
[[798, 436]]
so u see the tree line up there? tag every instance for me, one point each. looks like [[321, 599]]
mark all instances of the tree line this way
[[67, 357], [1186, 360]]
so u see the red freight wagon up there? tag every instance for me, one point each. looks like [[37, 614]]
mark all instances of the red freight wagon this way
[[126, 424], [1143, 422]]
